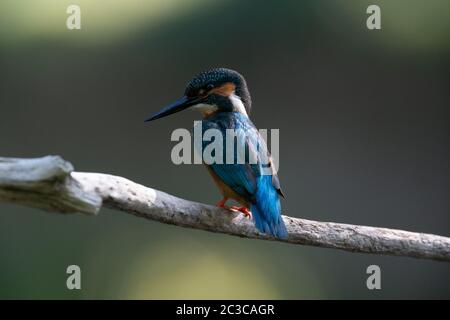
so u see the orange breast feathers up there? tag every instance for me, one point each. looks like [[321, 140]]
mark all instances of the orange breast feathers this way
[[226, 191]]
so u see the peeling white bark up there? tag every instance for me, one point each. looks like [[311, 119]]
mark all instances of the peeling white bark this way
[[50, 183]]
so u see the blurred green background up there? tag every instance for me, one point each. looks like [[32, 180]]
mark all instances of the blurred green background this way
[[364, 128]]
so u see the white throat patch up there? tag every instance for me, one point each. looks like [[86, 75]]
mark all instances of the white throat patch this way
[[208, 109], [237, 103], [205, 109]]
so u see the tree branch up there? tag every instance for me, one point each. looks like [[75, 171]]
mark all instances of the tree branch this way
[[50, 183]]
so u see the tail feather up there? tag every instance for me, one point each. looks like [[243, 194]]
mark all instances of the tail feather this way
[[266, 210]]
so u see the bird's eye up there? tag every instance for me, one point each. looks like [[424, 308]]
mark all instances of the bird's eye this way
[[205, 89]]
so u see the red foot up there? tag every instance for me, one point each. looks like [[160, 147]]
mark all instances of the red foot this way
[[221, 203], [244, 211]]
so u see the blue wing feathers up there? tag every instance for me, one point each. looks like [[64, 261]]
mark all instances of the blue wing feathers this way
[[247, 179]]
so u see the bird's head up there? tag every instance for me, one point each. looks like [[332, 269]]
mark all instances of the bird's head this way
[[216, 90]]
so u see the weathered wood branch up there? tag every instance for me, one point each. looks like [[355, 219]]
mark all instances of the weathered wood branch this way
[[50, 183]]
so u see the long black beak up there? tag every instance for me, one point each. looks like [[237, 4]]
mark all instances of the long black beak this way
[[181, 104]]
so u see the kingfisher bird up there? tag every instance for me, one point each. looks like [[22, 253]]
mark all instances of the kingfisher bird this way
[[222, 97]]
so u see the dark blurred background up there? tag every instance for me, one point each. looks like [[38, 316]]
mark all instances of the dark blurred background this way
[[364, 129]]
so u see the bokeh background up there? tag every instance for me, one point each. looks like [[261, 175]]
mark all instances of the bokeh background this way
[[364, 128]]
